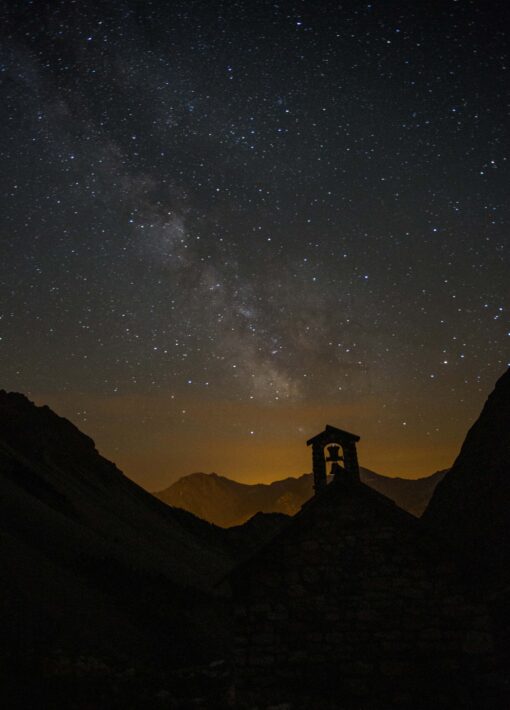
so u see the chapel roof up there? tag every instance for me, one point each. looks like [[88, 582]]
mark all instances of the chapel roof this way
[[333, 431]]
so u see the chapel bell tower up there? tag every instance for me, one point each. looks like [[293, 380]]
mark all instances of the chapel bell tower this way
[[344, 467]]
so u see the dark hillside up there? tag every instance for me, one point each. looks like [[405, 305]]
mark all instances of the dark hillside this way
[[90, 560], [471, 505]]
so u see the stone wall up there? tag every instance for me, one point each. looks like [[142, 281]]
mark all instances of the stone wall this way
[[350, 606]]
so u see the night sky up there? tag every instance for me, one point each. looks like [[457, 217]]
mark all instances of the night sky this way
[[226, 224]]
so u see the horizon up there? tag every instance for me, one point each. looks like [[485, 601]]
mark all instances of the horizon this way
[[296, 456], [278, 480]]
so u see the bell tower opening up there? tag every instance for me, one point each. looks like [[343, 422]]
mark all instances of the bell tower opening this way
[[334, 459], [343, 467]]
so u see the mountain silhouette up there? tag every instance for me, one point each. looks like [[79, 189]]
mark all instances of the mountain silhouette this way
[[225, 502], [471, 509], [91, 561], [471, 504]]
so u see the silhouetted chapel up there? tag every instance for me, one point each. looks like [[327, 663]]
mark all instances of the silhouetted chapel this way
[[353, 605]]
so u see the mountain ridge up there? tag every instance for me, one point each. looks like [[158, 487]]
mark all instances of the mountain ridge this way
[[471, 503], [226, 502], [94, 563]]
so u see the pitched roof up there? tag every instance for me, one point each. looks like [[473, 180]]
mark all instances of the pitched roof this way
[[332, 431]]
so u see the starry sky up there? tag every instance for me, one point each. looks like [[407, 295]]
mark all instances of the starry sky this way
[[226, 224]]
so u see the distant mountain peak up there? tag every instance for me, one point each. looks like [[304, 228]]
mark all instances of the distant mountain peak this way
[[228, 503]]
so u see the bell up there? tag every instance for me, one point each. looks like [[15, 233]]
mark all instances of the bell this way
[[333, 454], [336, 469]]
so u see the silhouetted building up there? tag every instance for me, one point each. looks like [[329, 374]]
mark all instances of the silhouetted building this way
[[353, 605], [334, 439]]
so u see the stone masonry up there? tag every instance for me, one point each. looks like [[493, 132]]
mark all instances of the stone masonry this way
[[352, 605]]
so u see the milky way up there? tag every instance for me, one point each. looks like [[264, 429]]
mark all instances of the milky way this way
[[263, 205]]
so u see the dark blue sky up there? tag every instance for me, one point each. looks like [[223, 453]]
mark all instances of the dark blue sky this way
[[255, 214]]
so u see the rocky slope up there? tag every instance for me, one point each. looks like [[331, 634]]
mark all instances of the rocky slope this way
[[227, 503], [89, 559], [471, 505]]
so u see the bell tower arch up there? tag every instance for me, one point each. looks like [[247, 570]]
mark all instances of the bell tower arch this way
[[344, 467]]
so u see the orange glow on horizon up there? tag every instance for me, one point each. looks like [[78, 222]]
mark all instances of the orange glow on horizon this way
[[154, 442]]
